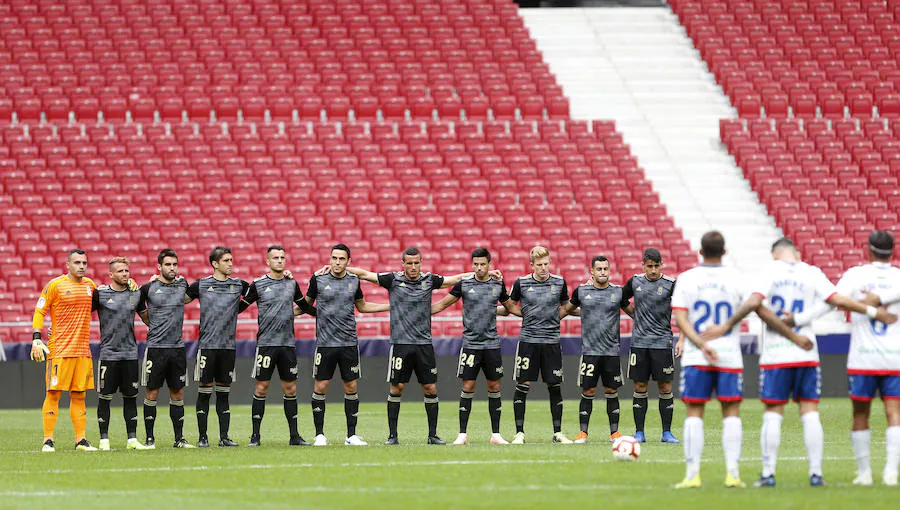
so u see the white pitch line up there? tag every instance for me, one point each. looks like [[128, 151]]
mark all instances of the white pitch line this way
[[169, 469]]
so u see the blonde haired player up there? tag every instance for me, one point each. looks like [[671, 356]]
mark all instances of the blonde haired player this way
[[67, 299]]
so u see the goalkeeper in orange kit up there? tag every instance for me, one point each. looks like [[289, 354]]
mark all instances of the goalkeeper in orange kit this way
[[67, 299]]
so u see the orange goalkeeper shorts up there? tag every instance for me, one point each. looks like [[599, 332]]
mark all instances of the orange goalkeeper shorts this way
[[70, 374]]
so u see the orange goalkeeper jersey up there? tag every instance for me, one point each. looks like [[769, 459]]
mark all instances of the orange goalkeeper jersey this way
[[69, 304]]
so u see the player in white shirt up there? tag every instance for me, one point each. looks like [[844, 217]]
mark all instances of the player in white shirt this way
[[788, 285], [873, 364], [704, 296]]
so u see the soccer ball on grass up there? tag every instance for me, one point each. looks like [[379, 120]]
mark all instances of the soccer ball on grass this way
[[626, 449]]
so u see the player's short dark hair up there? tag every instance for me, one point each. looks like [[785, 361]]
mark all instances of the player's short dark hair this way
[[784, 242], [652, 254], [342, 247], [598, 258], [481, 252], [217, 253], [713, 244], [274, 247], [168, 252], [75, 251], [881, 244], [412, 251]]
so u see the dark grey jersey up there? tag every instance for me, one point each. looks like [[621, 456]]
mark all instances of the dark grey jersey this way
[[600, 311], [116, 309], [540, 307], [335, 301], [652, 310], [164, 303], [480, 311], [410, 306], [275, 300], [219, 304]]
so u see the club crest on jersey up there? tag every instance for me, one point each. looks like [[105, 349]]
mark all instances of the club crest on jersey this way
[[89, 291], [41, 302], [232, 288], [424, 285], [350, 286], [554, 289], [495, 292], [659, 291], [612, 298]]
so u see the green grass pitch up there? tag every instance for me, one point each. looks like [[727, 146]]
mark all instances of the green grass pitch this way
[[413, 475]]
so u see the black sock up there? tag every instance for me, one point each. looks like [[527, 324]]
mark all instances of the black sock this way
[[465, 408], [129, 411], [612, 411], [318, 411], [393, 413], [204, 394], [431, 411], [585, 407], [290, 412], [519, 399], [494, 407], [176, 414], [257, 411], [150, 417], [351, 411], [556, 406], [223, 410], [666, 410], [103, 415], [639, 407]]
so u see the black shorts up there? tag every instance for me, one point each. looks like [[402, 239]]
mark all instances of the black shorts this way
[[544, 359], [644, 363], [327, 359], [164, 365], [593, 369], [489, 361], [267, 358], [118, 376], [215, 366], [404, 359]]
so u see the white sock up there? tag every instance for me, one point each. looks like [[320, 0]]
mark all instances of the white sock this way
[[892, 438], [814, 437], [693, 445], [732, 437], [861, 440], [770, 439]]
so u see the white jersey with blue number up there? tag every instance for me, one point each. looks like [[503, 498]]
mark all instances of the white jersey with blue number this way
[[711, 295], [874, 346], [792, 287]]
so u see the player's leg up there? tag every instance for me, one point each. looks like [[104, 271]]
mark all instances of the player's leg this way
[[324, 362], [175, 376], [807, 391], [696, 390], [205, 376], [890, 394], [862, 390], [662, 367], [526, 372], [151, 393], [289, 389], [129, 388], [588, 376], [639, 373], [467, 371], [107, 382], [611, 377], [224, 368], [50, 407], [258, 408], [350, 373], [426, 374], [730, 390], [552, 374], [774, 390], [492, 366], [82, 379], [399, 373]]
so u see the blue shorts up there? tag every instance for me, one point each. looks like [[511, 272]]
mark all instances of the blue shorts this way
[[863, 387], [777, 385], [698, 384]]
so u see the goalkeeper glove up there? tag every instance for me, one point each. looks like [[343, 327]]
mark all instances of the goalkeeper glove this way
[[39, 351], [132, 285]]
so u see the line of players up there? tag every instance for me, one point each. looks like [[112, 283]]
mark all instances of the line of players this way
[[707, 304], [540, 298]]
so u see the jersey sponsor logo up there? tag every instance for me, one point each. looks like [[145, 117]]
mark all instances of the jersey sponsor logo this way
[[668, 370], [293, 370], [355, 369], [499, 370], [558, 373], [434, 370]]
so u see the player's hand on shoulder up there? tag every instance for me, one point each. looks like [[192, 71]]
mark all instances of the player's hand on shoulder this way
[[323, 270], [133, 285], [155, 278], [288, 274], [496, 274]]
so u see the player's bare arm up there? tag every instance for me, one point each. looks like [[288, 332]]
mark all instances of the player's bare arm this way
[[679, 346], [145, 317], [751, 304], [509, 307], [569, 309], [774, 322], [443, 304], [363, 274], [450, 281], [852, 305], [687, 329], [364, 306]]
